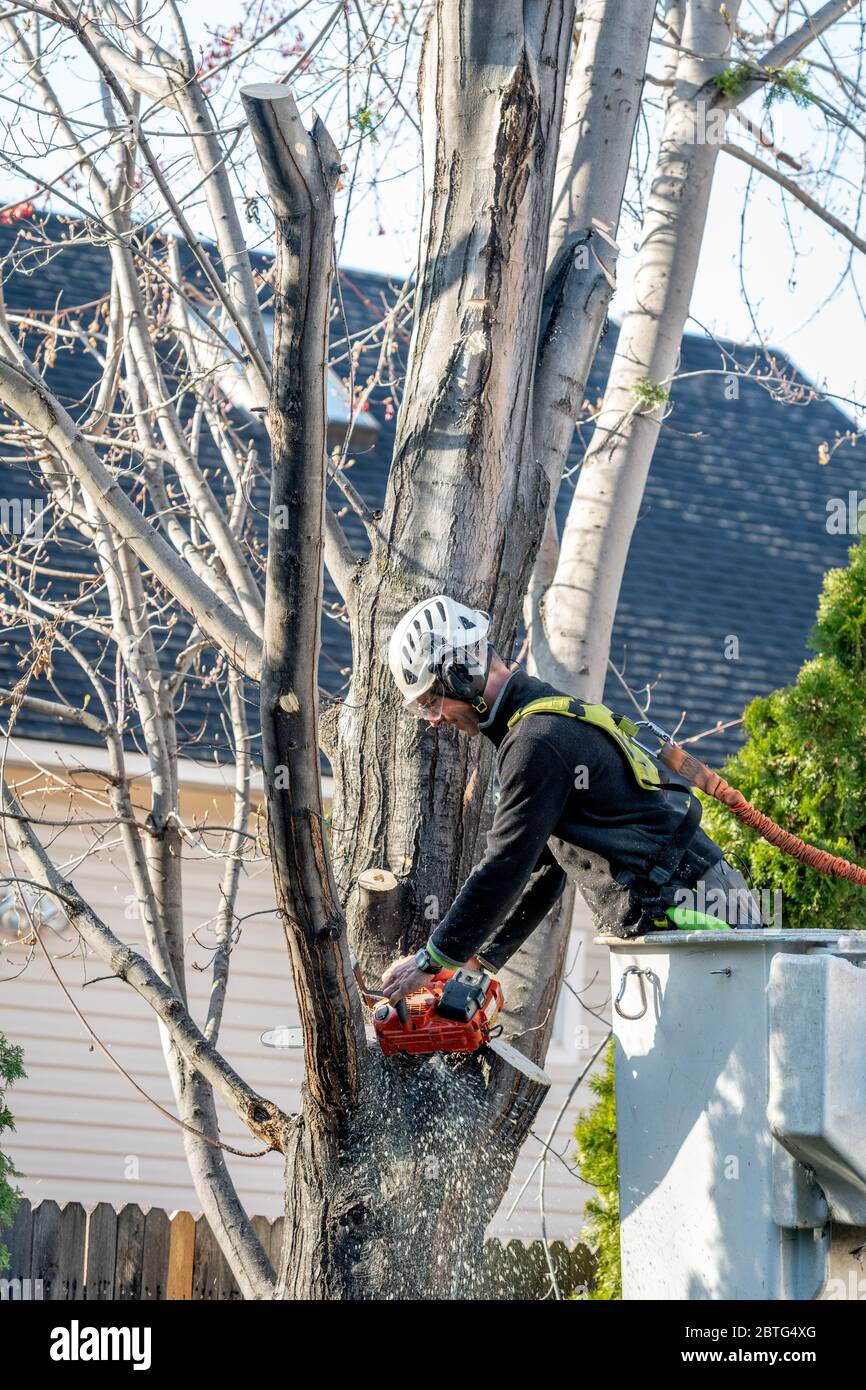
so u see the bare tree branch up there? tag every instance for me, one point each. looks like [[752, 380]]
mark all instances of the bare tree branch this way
[[262, 1117], [797, 192], [789, 48], [32, 401], [301, 171]]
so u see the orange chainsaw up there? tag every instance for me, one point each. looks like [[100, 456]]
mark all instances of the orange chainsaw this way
[[454, 1012]]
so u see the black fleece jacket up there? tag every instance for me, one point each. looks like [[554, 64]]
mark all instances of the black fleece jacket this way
[[557, 777]]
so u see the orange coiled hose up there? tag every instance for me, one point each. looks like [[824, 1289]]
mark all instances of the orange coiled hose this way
[[703, 777]]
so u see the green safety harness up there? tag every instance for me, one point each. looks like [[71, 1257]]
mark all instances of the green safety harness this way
[[623, 732]]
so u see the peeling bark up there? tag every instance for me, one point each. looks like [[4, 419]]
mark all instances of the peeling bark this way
[[464, 512]]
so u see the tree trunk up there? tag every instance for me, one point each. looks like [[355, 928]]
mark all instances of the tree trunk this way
[[598, 124], [579, 606], [396, 1165], [464, 513]]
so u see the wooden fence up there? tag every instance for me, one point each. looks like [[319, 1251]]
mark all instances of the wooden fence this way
[[67, 1251]]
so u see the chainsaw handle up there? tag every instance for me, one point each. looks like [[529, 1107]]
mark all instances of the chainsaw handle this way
[[368, 994]]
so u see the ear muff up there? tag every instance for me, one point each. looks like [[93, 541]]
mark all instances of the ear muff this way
[[463, 682], [458, 680]]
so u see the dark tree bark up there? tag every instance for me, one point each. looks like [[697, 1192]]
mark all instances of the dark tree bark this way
[[396, 1165]]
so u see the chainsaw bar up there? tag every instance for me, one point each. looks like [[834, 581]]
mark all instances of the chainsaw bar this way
[[283, 1036], [516, 1059]]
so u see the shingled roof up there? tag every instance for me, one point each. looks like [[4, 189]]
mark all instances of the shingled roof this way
[[731, 543]]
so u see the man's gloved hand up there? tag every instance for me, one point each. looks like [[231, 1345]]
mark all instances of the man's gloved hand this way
[[403, 977]]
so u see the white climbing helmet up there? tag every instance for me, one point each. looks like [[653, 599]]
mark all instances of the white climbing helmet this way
[[440, 647]]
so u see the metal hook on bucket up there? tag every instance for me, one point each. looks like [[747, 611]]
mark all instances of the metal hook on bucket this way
[[632, 970]]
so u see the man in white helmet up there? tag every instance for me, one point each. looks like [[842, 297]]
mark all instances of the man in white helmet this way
[[577, 797]]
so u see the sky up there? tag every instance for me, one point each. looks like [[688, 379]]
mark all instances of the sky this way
[[788, 293]]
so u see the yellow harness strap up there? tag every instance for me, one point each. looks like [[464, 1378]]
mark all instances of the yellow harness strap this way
[[616, 726]]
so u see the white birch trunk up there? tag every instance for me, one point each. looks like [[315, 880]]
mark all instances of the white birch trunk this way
[[578, 609], [598, 124]]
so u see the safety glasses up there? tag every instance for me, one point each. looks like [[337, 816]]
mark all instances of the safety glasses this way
[[427, 707]]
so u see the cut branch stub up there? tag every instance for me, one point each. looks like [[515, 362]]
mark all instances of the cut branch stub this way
[[300, 166], [380, 918], [381, 903]]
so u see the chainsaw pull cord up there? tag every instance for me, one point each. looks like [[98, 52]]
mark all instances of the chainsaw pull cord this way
[[706, 780]]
